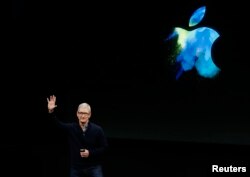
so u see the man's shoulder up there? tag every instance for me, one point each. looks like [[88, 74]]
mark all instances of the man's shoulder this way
[[94, 125]]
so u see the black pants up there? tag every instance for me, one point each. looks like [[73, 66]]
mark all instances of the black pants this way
[[94, 171]]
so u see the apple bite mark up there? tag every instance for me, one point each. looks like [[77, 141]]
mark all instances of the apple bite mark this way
[[194, 47]]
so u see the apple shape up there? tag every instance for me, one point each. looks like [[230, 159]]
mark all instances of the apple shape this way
[[194, 47]]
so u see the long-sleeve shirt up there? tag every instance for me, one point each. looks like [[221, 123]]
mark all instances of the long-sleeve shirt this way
[[93, 139]]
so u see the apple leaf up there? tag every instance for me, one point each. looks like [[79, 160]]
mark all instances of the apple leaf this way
[[197, 16]]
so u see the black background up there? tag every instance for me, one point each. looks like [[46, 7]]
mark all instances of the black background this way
[[113, 55]]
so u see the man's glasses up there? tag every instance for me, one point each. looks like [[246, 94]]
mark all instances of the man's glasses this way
[[82, 113]]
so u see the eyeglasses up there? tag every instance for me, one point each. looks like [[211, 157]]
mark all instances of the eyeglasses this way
[[83, 113]]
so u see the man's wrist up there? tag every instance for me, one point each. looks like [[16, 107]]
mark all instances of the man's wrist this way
[[50, 110]]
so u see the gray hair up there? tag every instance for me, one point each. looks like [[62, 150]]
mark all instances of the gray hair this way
[[84, 105]]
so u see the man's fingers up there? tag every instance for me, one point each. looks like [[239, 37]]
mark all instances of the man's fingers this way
[[52, 98]]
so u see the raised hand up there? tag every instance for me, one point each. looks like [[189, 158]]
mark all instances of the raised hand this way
[[51, 103]]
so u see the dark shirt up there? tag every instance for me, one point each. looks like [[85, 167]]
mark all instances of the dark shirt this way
[[93, 139]]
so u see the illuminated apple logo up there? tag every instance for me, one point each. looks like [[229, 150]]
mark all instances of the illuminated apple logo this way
[[193, 49]]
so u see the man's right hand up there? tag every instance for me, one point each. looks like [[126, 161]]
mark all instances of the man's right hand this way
[[51, 103]]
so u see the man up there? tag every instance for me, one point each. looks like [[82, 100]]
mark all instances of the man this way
[[87, 141]]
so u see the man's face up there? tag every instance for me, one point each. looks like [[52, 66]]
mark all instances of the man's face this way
[[83, 114]]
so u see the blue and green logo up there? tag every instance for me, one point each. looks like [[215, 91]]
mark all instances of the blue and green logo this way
[[193, 48]]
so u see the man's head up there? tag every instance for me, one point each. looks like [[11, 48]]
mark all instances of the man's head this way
[[83, 113]]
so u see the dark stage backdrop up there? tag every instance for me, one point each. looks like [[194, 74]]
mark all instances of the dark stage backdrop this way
[[114, 56]]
